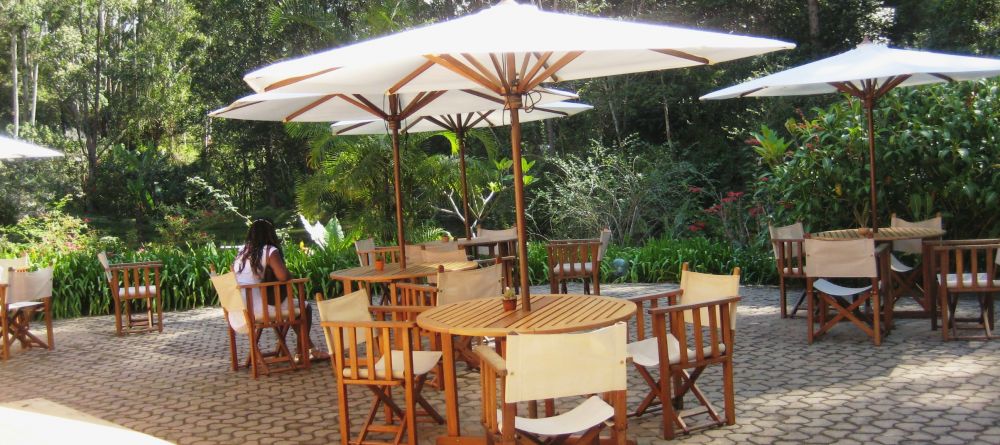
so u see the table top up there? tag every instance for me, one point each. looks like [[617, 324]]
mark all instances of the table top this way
[[391, 271], [487, 240], [883, 234], [549, 314]]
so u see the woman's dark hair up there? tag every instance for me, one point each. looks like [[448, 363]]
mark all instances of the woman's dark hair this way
[[260, 234]]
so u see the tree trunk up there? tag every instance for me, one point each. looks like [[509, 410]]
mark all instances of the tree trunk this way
[[33, 105], [15, 106], [813, 25]]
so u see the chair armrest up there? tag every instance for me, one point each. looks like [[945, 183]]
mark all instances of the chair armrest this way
[[671, 297], [491, 359], [693, 306], [389, 309], [417, 287], [124, 266], [274, 283], [563, 242]]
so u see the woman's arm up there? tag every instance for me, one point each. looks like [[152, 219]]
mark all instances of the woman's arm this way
[[277, 265]]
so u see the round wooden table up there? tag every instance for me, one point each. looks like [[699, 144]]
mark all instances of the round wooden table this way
[[391, 273], [883, 234], [485, 317]]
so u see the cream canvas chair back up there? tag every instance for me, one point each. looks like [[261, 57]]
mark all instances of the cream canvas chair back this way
[[913, 245], [502, 232], [443, 246], [350, 307], [362, 245], [702, 287], [841, 259], [103, 258], [561, 365], [439, 256], [229, 292], [19, 263], [792, 231], [464, 285], [605, 240], [28, 286]]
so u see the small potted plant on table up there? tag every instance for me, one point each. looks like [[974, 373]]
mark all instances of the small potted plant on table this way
[[509, 300]]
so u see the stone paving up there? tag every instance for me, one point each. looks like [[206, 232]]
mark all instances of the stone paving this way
[[177, 385]]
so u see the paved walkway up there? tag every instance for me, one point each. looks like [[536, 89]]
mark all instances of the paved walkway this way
[[177, 385]]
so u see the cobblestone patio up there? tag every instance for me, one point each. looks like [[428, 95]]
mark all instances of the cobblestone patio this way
[[177, 385]]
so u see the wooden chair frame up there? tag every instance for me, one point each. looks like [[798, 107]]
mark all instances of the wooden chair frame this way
[[975, 259], [875, 324], [380, 337], [930, 271], [576, 254], [15, 323], [291, 316], [790, 261], [130, 282], [912, 283]]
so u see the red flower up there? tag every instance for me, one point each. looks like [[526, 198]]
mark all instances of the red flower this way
[[734, 194], [756, 211], [752, 141], [764, 179], [86, 220], [694, 189], [714, 209], [697, 226], [729, 199]]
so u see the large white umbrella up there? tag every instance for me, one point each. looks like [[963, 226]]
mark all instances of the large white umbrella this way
[[460, 123], [16, 149], [392, 109], [868, 73], [509, 49]]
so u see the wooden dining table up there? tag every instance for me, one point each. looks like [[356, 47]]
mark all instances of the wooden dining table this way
[[391, 273], [498, 245], [485, 317]]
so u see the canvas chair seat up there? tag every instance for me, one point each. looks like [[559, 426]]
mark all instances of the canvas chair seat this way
[[981, 280], [136, 291], [423, 362], [23, 305], [592, 411], [899, 266], [575, 267], [829, 288], [646, 353], [239, 323], [793, 271]]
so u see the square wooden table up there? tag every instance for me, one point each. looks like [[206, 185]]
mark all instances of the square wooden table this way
[[392, 273]]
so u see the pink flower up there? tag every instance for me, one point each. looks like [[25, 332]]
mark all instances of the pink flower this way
[[752, 141], [714, 209], [734, 194], [756, 211], [764, 179], [697, 226], [694, 189], [86, 220], [729, 199]]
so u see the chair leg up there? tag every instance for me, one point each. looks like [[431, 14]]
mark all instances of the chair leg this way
[[669, 413], [344, 417], [4, 333], [233, 359], [728, 390], [48, 323], [781, 296], [554, 285], [811, 311], [118, 316], [586, 287]]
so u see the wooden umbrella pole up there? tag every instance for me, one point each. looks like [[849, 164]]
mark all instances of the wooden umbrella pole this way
[[514, 104], [869, 103], [397, 175], [460, 135]]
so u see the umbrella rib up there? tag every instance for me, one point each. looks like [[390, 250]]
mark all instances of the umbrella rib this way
[[409, 77], [551, 71], [524, 64], [482, 117], [555, 112], [416, 106], [415, 122], [220, 113], [942, 77], [484, 96], [847, 88], [511, 71], [416, 100], [306, 108], [468, 118], [364, 104], [351, 127], [496, 66], [890, 84], [296, 79], [539, 64], [683, 55], [435, 121], [457, 67], [747, 93], [479, 66]]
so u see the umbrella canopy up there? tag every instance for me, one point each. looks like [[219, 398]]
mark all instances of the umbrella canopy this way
[[867, 72], [459, 123], [15, 149], [509, 49], [311, 107]]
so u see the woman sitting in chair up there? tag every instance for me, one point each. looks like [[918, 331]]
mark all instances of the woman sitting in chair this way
[[261, 261]]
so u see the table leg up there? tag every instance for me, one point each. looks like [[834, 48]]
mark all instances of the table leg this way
[[450, 385], [347, 285]]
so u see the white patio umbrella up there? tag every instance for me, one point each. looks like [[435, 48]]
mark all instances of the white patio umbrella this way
[[509, 49], [460, 123], [868, 73], [11, 148], [392, 109]]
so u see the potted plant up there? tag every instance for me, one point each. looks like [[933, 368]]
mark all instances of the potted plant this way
[[509, 300], [445, 238], [379, 264]]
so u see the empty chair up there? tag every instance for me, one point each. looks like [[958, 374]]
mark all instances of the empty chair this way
[[688, 330], [966, 268], [130, 283], [786, 242], [907, 279], [380, 356], [491, 251], [555, 366], [368, 252], [577, 259], [24, 294], [844, 259]]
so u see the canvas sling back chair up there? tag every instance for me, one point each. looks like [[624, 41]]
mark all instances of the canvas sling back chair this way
[[680, 334], [966, 268], [368, 252], [858, 259], [23, 294], [786, 242], [556, 366], [378, 355], [908, 279], [577, 259], [493, 251], [130, 283], [248, 314]]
